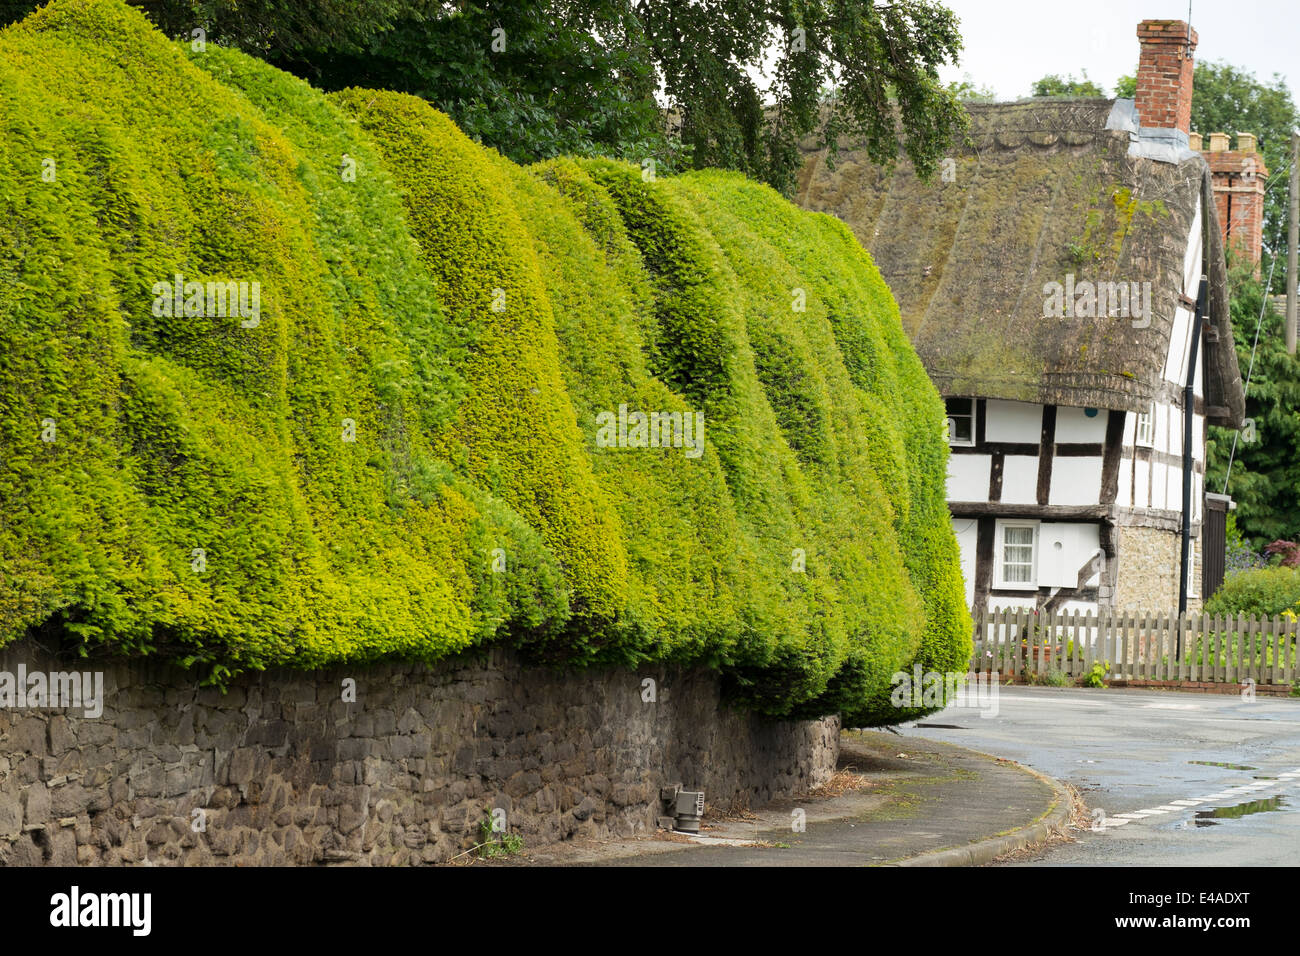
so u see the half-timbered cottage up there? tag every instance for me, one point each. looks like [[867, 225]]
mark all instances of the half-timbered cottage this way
[[1063, 280]]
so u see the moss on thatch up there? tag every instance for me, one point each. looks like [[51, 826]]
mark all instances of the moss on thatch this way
[[1041, 191]]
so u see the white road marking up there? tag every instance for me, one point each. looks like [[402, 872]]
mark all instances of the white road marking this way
[[1227, 720], [1181, 806]]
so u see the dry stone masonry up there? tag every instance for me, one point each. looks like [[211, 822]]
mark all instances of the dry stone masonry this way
[[280, 769]]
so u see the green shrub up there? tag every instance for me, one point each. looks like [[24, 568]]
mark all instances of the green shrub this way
[[1266, 592], [899, 406], [198, 500], [688, 568], [1096, 674], [471, 319]]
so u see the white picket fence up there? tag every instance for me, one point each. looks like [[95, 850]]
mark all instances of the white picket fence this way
[[1136, 646]]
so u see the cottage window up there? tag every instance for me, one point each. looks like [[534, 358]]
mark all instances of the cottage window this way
[[961, 421], [1015, 565], [1145, 428]]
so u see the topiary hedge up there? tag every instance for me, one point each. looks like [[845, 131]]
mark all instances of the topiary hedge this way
[[884, 405], [198, 498], [400, 454]]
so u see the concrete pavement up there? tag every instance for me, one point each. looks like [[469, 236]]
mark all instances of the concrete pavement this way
[[915, 799]]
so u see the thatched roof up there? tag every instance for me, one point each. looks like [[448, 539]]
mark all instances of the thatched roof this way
[[1044, 189]]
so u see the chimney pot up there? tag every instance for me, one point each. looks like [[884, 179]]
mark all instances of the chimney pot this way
[[1218, 142], [1247, 143], [1194, 141]]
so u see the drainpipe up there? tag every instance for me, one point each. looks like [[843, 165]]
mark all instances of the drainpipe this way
[[1189, 416]]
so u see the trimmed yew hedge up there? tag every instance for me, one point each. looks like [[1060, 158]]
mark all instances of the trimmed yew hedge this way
[[399, 457], [192, 442]]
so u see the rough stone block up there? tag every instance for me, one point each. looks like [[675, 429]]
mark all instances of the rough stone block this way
[[28, 736], [11, 814]]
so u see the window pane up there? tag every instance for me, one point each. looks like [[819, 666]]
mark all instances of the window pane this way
[[959, 406], [1018, 554], [1016, 573], [961, 420], [1145, 432]]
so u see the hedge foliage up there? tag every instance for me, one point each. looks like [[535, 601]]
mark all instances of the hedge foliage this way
[[190, 442], [467, 322], [1267, 592]]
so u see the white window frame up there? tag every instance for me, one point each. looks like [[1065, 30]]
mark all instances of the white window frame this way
[[1144, 429], [954, 442], [999, 545]]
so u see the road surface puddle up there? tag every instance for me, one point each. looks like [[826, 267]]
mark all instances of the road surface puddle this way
[[1209, 818], [1220, 763]]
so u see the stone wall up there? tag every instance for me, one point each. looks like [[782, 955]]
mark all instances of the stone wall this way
[[1149, 565], [282, 770]]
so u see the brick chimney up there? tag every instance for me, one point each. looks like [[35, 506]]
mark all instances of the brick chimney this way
[[1164, 79], [1238, 177]]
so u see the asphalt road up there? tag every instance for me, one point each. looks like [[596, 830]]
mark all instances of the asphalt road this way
[[1131, 753]]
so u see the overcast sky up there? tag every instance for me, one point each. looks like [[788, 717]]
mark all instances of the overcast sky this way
[[1011, 43]]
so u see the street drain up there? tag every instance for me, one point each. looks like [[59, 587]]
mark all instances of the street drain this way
[[1209, 818], [942, 726], [1220, 763]]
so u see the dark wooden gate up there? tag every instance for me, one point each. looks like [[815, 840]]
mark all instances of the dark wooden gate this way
[[1214, 543]]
